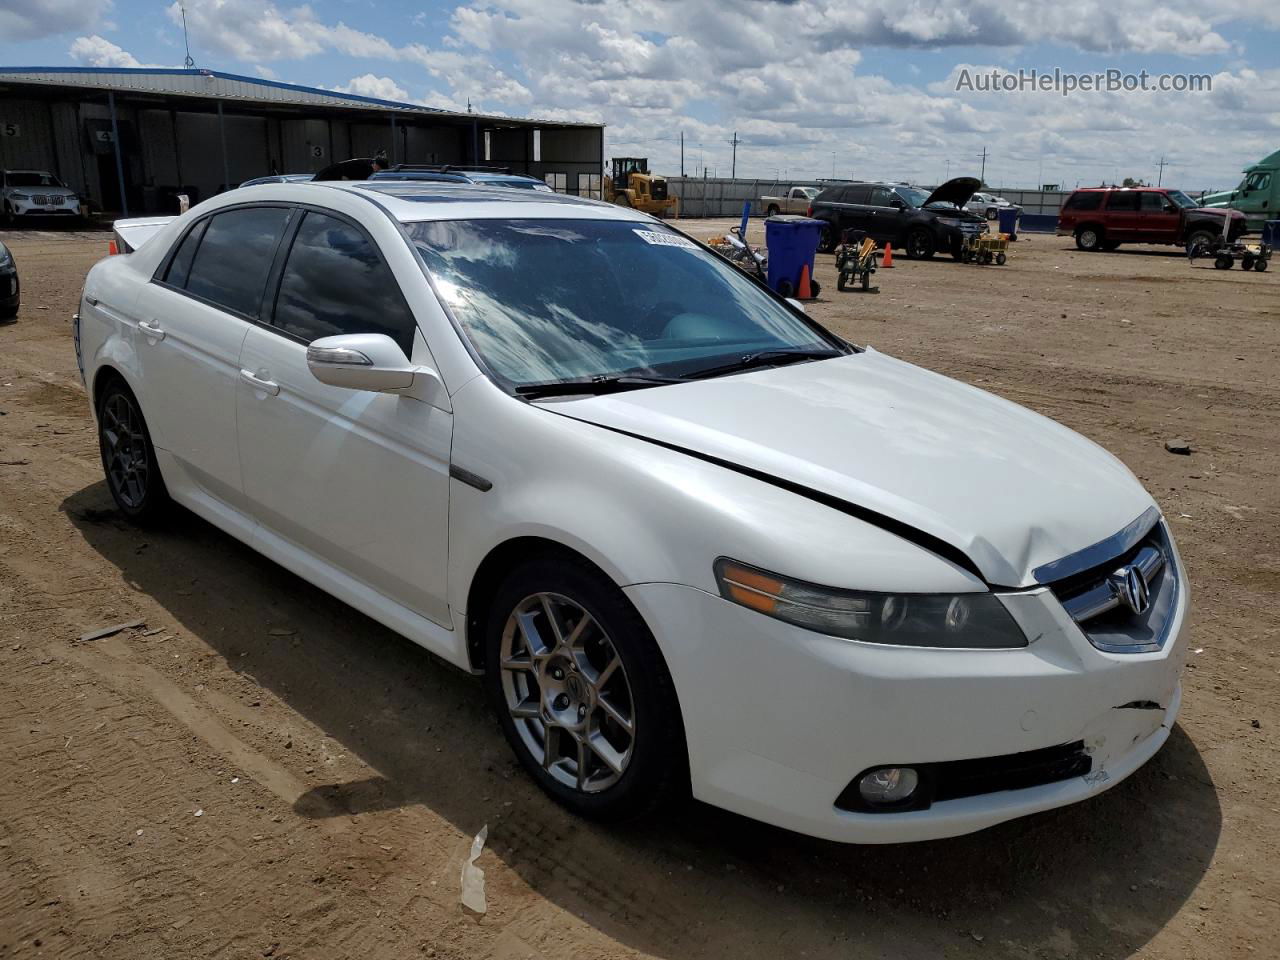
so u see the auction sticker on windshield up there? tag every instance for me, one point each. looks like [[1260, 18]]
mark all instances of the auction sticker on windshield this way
[[665, 239]]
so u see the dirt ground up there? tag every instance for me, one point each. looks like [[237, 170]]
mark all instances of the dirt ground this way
[[259, 771]]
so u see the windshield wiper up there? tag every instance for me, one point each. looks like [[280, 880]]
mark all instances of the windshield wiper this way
[[534, 391], [766, 358]]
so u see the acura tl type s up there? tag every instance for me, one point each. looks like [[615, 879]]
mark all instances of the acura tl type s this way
[[692, 540]]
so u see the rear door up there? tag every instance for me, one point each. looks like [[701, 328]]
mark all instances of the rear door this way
[[1160, 218], [356, 479], [1121, 218], [192, 320]]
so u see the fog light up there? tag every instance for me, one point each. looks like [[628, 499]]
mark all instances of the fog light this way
[[888, 785]]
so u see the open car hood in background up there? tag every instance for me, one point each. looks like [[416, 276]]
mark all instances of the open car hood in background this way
[[957, 190]]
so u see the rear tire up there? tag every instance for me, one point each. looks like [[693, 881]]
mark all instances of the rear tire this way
[[773, 210], [580, 667], [128, 457], [1260, 266], [785, 289], [842, 283]]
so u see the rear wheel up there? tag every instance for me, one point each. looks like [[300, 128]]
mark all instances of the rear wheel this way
[[128, 458], [919, 244], [1089, 238], [582, 691], [1224, 263], [842, 283], [1001, 259], [772, 211], [1260, 266]]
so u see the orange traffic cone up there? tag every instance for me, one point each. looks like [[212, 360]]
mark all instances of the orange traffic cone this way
[[887, 261], [804, 293]]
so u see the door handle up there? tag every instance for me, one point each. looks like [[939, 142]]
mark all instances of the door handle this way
[[151, 329], [266, 386]]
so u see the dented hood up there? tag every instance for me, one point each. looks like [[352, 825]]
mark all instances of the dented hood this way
[[1010, 489]]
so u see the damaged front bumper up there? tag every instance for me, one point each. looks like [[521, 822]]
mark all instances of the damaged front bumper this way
[[781, 721]]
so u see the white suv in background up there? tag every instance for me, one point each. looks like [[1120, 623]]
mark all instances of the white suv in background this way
[[36, 193], [691, 539]]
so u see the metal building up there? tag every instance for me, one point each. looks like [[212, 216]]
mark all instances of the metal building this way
[[129, 140]]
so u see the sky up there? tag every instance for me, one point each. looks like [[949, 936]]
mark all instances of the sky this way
[[875, 89]]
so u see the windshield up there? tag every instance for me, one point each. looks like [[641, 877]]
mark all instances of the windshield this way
[[914, 197], [544, 301], [27, 178], [1181, 199]]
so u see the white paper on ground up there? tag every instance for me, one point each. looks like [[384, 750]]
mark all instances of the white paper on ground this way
[[473, 876]]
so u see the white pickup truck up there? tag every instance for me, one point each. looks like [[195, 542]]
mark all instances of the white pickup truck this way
[[796, 200]]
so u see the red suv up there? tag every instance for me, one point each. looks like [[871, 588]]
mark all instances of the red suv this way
[[1102, 218]]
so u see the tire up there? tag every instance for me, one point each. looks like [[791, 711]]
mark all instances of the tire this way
[[815, 288], [1089, 238], [785, 289], [773, 210], [128, 457], [992, 213], [1201, 238], [919, 244], [597, 769], [1001, 259], [842, 282], [1246, 264], [1260, 265], [866, 280], [1224, 263]]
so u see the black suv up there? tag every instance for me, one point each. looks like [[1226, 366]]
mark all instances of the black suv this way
[[917, 223]]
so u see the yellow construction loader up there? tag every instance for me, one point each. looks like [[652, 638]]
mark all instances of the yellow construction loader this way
[[632, 185]]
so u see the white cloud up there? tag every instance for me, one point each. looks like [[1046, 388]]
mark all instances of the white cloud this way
[[95, 51], [368, 85], [32, 19]]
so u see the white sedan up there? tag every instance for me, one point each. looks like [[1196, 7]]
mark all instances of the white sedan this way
[[691, 540]]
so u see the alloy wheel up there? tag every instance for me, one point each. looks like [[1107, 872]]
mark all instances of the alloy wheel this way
[[567, 692], [124, 450]]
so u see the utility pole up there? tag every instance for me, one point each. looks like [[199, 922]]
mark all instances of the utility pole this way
[[833, 165], [681, 153], [733, 170], [983, 177], [1162, 164]]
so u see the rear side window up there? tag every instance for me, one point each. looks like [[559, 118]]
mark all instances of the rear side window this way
[[828, 195], [180, 265], [335, 282], [1084, 201], [1122, 200], [855, 194], [233, 259]]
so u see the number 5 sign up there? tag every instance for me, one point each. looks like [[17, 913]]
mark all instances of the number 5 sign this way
[[10, 130]]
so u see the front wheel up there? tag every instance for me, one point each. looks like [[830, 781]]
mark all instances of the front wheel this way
[[842, 282], [920, 245], [128, 457], [583, 693], [1089, 239]]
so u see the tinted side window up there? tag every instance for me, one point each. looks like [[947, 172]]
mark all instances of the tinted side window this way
[[880, 197], [1153, 202], [855, 194], [335, 282], [233, 259], [1084, 201], [180, 265], [1122, 200]]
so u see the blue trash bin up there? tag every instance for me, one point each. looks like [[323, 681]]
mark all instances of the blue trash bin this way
[[1271, 233], [792, 243], [1008, 217]]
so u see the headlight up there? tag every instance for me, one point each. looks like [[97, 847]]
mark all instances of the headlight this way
[[959, 620], [20, 196]]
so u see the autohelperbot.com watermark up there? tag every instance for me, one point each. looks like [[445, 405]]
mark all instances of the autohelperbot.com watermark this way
[[1065, 83]]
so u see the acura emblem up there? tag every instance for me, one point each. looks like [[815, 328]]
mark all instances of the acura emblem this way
[[1131, 587]]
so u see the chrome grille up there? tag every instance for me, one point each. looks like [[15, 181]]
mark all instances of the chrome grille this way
[[1124, 602]]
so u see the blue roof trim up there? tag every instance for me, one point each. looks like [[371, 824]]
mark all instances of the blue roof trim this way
[[178, 72]]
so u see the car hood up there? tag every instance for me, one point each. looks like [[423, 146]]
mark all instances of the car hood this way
[[43, 191], [1218, 212], [957, 190], [1010, 489]]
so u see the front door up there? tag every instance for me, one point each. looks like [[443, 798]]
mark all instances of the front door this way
[[354, 479], [1161, 219]]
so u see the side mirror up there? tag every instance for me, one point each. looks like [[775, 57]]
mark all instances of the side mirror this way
[[797, 304], [897, 204], [368, 361]]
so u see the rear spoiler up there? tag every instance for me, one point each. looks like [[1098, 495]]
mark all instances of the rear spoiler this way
[[128, 235]]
